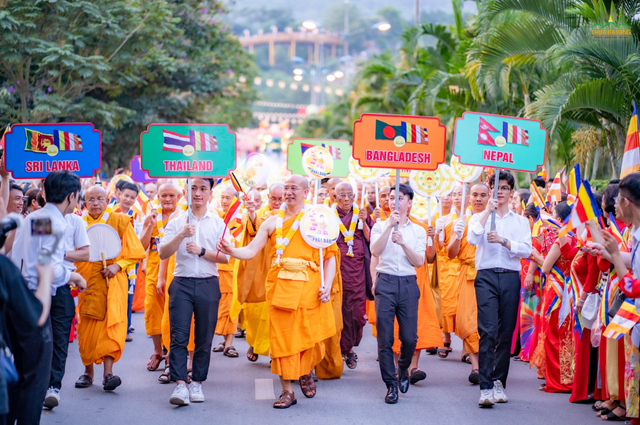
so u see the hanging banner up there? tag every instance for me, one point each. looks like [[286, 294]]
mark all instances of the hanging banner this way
[[32, 151], [399, 141], [188, 150], [498, 141], [136, 172], [340, 151]]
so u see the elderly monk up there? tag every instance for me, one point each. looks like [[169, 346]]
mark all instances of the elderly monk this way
[[103, 309], [300, 315], [251, 274], [466, 326], [226, 325], [152, 190], [355, 262], [152, 232], [331, 189]]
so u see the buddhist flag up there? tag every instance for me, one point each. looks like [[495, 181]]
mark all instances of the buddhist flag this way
[[484, 138], [554, 194], [235, 182], [333, 150], [66, 141], [516, 135], [538, 200], [557, 280], [623, 321], [203, 141], [543, 174], [411, 133], [615, 231], [37, 142], [585, 209], [576, 290], [573, 184], [631, 156]]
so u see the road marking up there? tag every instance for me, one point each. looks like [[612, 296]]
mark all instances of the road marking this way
[[264, 389]]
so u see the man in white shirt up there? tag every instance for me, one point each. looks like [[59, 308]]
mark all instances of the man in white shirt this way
[[34, 348], [497, 285], [195, 290], [400, 252], [63, 307]]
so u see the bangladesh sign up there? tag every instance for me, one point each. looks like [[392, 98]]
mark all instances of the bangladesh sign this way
[[399, 141], [498, 141], [340, 151], [32, 151], [188, 150]]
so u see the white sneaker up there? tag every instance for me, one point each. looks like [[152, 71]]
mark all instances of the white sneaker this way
[[498, 392], [486, 398], [180, 396], [52, 398], [195, 392]]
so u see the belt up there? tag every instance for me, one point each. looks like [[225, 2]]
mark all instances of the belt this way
[[498, 270]]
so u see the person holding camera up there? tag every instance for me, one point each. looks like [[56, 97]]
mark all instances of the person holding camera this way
[[32, 246]]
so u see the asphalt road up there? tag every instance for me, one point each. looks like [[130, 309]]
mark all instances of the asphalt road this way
[[239, 392]]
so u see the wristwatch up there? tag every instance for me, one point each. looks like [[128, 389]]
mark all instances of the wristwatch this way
[[202, 252], [504, 242]]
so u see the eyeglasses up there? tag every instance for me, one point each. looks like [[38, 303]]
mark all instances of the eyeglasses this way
[[504, 189], [291, 188], [92, 200], [345, 195], [272, 199]]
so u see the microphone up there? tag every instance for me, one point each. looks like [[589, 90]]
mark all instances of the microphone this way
[[10, 222]]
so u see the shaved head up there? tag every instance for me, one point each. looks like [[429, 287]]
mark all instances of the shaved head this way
[[95, 191], [301, 181], [96, 201], [344, 185], [331, 187], [228, 193], [296, 189], [168, 197], [275, 195]]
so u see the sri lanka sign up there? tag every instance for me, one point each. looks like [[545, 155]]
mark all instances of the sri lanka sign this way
[[188, 150], [35, 150], [340, 151], [499, 142], [399, 141]]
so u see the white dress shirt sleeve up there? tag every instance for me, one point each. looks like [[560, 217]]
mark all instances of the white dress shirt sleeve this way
[[522, 247], [421, 241], [476, 231], [376, 232], [170, 231], [80, 236]]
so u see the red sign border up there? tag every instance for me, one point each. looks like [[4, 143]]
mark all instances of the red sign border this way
[[453, 145], [404, 116], [235, 144]]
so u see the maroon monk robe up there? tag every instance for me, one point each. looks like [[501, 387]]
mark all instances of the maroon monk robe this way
[[356, 283]]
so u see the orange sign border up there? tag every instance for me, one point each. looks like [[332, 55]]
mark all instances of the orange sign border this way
[[364, 141]]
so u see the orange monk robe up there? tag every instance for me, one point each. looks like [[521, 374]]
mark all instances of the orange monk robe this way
[[139, 294], [298, 321], [103, 311], [466, 323], [154, 302], [429, 335], [448, 279], [166, 325], [332, 364], [226, 324], [251, 276]]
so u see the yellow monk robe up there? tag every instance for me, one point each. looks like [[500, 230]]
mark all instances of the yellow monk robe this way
[[429, 334], [139, 294], [103, 311], [226, 324], [467, 311], [166, 325], [251, 277], [298, 321], [153, 302], [448, 278], [332, 365]]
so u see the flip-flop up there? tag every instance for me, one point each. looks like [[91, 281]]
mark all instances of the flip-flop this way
[[466, 358], [165, 377], [219, 348], [230, 351], [351, 360], [154, 362], [251, 356]]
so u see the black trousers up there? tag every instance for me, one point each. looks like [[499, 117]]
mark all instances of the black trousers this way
[[497, 294], [396, 297], [32, 350], [63, 310], [198, 298]]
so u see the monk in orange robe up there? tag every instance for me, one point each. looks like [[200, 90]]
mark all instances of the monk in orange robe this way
[[300, 313], [103, 309], [152, 231], [466, 323], [226, 325]]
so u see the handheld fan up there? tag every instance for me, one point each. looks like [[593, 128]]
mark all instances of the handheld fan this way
[[104, 244]]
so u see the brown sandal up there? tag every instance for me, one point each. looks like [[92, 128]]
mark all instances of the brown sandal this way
[[286, 400], [154, 362], [308, 386], [251, 356]]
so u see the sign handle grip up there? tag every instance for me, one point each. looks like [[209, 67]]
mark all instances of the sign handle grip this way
[[495, 196], [397, 194]]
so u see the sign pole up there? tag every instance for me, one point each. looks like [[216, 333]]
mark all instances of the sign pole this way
[[463, 210], [321, 270], [315, 195], [377, 201], [189, 200], [397, 194], [429, 240], [360, 224], [495, 196]]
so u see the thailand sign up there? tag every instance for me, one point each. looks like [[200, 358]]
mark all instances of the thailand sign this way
[[398, 141], [188, 150], [340, 151], [32, 151], [498, 141]]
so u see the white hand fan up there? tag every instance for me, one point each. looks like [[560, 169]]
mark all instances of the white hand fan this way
[[104, 244]]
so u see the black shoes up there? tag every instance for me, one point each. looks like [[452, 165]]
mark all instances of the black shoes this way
[[392, 395], [403, 380]]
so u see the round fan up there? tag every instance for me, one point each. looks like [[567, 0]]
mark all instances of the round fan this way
[[104, 244]]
